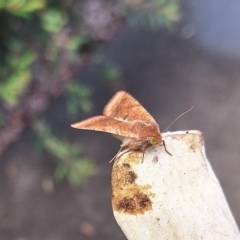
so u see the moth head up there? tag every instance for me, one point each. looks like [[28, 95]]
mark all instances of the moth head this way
[[152, 134]]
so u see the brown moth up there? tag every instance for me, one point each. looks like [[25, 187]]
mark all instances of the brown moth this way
[[128, 121]]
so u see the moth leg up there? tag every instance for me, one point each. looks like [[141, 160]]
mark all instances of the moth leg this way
[[166, 148], [143, 156], [164, 145], [120, 153]]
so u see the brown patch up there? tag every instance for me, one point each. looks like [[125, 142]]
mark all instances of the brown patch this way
[[144, 201], [127, 204], [123, 173], [128, 196], [137, 204], [155, 159], [126, 165], [196, 142], [132, 177]]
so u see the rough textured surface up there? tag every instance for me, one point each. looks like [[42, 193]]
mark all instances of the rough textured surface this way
[[180, 196], [129, 197]]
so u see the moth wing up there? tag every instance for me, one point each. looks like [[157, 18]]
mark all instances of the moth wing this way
[[124, 107], [110, 125]]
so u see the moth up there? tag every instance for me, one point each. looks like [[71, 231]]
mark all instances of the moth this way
[[127, 120]]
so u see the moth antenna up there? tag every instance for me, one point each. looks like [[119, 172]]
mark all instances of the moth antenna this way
[[177, 118]]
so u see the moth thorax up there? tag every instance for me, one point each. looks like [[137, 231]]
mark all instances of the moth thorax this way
[[151, 133], [140, 145]]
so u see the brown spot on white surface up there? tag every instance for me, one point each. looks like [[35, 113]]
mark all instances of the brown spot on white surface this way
[[128, 196], [136, 204], [155, 159]]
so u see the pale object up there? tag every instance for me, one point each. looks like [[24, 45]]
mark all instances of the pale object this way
[[163, 197]]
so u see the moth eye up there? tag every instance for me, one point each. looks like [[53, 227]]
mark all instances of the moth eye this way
[[153, 141]]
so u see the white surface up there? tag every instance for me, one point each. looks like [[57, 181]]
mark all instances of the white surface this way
[[183, 199]]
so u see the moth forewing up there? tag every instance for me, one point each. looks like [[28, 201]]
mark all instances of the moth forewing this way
[[124, 107], [105, 124]]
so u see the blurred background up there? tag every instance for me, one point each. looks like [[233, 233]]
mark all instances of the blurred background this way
[[61, 61]]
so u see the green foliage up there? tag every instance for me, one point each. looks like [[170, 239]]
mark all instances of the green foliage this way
[[107, 68], [168, 12], [78, 96], [76, 42], [76, 169], [156, 13], [53, 20], [111, 73], [22, 8], [15, 73], [16, 57]]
